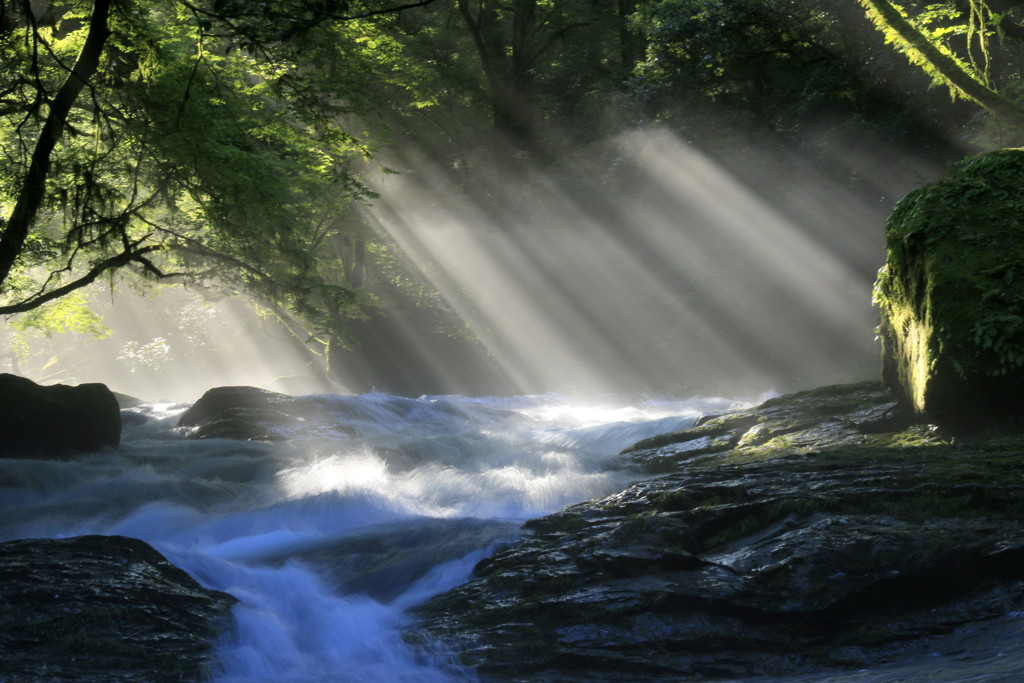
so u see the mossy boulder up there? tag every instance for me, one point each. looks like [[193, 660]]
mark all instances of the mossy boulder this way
[[951, 295]]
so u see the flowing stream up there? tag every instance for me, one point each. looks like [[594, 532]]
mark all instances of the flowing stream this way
[[329, 538]]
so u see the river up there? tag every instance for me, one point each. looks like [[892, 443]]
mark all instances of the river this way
[[329, 538]]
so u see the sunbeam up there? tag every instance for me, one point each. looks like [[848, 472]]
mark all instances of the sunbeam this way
[[170, 345], [677, 274]]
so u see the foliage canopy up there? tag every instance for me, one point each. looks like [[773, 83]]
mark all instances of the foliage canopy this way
[[227, 144], [189, 140]]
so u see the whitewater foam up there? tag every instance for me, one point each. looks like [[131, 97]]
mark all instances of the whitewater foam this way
[[328, 540]]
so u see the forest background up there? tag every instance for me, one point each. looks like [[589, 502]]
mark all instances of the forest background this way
[[473, 196]]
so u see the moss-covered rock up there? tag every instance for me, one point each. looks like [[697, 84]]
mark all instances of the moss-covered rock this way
[[951, 295], [806, 421]]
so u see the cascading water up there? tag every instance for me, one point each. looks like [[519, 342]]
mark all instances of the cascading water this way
[[327, 539]]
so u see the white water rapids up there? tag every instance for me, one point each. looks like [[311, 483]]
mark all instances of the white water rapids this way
[[329, 538]]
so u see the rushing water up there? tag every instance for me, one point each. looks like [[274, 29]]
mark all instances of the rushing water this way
[[329, 538]]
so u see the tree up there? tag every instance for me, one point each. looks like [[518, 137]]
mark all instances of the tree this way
[[178, 139], [928, 41]]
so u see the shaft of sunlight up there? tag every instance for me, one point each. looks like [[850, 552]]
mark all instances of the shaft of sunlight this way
[[683, 276]]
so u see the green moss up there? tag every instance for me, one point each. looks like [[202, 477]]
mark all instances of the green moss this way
[[915, 474], [827, 400], [916, 436], [760, 517], [951, 293], [674, 500], [722, 426]]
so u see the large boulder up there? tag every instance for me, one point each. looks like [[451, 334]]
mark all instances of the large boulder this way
[[951, 295], [817, 535], [103, 608], [253, 414], [36, 419], [244, 413]]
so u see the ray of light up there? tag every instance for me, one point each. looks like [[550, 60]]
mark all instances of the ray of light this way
[[688, 274], [173, 346], [659, 268]]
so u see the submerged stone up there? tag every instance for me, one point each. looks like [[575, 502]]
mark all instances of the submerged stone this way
[[36, 419], [102, 608], [951, 295]]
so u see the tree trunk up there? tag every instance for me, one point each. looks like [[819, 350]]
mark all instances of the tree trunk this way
[[33, 186], [627, 41], [358, 264], [506, 69]]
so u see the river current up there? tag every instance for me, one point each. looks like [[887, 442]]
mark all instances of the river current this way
[[327, 539]]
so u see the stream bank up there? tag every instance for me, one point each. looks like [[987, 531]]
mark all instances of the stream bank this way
[[821, 536], [821, 532]]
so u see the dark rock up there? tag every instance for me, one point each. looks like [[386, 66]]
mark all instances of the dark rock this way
[[37, 419], [125, 401], [951, 296], [816, 419], [238, 413], [102, 608], [808, 540], [387, 559], [249, 413]]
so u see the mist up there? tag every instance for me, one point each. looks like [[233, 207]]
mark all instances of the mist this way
[[642, 264], [168, 344], [651, 265]]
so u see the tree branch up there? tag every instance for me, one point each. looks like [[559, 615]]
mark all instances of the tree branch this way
[[387, 10], [118, 261], [33, 185], [925, 53]]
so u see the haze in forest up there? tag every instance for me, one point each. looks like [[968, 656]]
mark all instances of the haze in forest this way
[[678, 198], [677, 273]]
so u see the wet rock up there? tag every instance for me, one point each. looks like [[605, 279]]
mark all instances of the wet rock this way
[[252, 414], [102, 608], [809, 420], [812, 538], [243, 413], [951, 296], [386, 560], [38, 420]]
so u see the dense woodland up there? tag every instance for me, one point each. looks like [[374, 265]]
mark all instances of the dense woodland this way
[[232, 147]]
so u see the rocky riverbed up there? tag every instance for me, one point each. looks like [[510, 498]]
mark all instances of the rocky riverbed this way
[[822, 532], [822, 536], [95, 609]]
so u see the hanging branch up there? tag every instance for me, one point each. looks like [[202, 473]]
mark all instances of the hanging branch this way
[[33, 186], [940, 64], [132, 254]]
